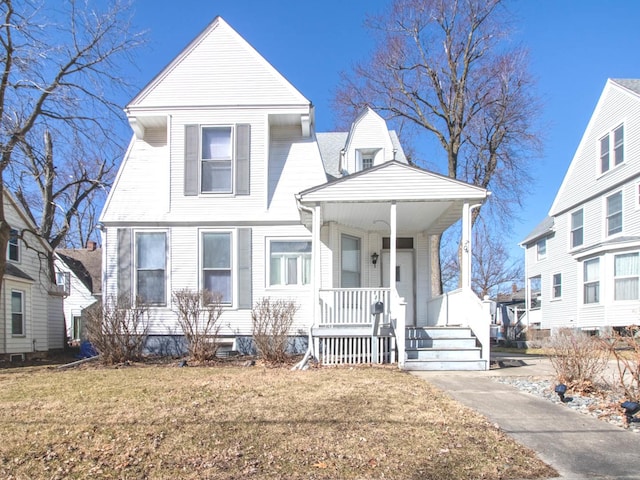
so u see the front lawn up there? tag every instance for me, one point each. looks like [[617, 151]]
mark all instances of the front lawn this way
[[164, 422]]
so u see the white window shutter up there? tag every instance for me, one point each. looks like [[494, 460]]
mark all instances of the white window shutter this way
[[244, 268], [191, 160], [243, 142]]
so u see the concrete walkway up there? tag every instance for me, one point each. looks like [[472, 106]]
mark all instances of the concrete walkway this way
[[578, 446]]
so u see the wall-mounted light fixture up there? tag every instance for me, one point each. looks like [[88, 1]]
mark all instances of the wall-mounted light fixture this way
[[374, 258]]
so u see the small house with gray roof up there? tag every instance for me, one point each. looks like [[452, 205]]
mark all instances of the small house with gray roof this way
[[226, 186], [583, 260]]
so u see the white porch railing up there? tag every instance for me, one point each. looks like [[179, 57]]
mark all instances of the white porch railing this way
[[351, 306], [462, 307]]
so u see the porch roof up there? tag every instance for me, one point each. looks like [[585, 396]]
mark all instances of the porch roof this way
[[426, 201]]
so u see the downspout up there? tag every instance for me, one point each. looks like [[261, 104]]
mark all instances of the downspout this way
[[315, 265]]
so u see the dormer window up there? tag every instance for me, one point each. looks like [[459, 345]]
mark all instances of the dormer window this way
[[365, 158], [612, 149]]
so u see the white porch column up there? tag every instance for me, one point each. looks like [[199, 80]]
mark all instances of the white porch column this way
[[316, 277], [392, 246], [465, 267]]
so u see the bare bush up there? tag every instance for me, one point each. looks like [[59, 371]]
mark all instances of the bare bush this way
[[625, 349], [577, 358], [117, 330], [272, 320], [198, 316]]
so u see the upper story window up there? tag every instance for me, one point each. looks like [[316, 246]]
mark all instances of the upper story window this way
[[216, 159], [626, 273], [63, 280], [591, 279], [612, 149], [541, 249], [614, 213], [577, 228], [290, 262], [13, 249], [151, 259]]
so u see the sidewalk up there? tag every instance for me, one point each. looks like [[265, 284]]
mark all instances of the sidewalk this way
[[578, 446]]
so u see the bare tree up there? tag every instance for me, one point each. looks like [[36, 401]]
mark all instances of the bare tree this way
[[446, 68], [492, 266], [60, 79]]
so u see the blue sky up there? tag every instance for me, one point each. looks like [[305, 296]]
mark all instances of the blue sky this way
[[574, 46]]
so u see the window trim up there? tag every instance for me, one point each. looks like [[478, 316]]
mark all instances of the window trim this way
[[166, 266], [612, 146], [14, 235], [22, 294], [269, 241], [572, 244], [607, 216], [555, 286], [233, 247], [231, 159], [597, 282]]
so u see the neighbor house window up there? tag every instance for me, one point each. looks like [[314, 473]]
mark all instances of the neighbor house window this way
[[350, 262], [151, 257], [217, 160], [541, 248], [290, 262], [626, 270], [612, 149], [535, 291], [13, 249], [17, 313], [591, 279], [577, 228], [217, 264], [614, 213], [556, 291]]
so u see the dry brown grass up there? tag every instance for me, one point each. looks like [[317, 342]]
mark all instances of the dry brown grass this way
[[228, 422]]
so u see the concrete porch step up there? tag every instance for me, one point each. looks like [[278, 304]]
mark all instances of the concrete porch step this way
[[457, 354], [443, 342], [445, 365], [438, 332]]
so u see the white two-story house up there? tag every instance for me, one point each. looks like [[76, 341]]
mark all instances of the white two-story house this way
[[583, 260], [30, 302], [227, 186]]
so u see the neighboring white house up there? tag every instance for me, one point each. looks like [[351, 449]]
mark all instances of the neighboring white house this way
[[227, 186], [583, 260], [30, 303], [79, 272]]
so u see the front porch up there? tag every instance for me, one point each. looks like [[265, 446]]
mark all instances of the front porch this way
[[372, 238]]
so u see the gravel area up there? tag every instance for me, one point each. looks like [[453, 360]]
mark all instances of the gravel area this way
[[603, 405]]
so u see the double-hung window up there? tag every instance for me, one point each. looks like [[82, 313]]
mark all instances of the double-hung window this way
[[290, 262], [350, 262], [591, 280], [151, 258], [541, 248], [217, 264], [626, 271], [13, 249], [612, 149], [535, 291], [614, 213], [217, 160], [17, 313], [577, 228], [556, 291]]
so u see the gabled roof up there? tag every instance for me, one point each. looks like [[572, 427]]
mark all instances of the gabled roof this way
[[218, 67], [331, 143], [632, 84], [86, 265], [544, 228], [393, 180]]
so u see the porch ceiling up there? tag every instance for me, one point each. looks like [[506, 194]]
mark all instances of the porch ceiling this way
[[426, 216]]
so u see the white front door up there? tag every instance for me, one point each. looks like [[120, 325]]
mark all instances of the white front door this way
[[404, 279]]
